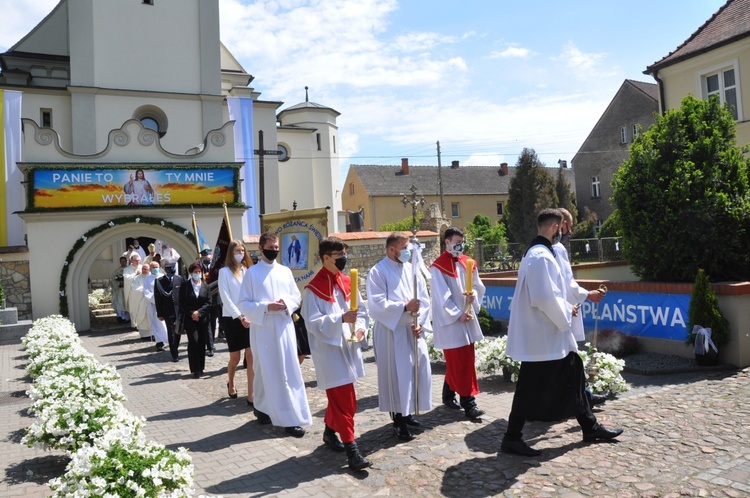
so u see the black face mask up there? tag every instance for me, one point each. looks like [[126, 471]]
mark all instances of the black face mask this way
[[340, 263], [270, 254]]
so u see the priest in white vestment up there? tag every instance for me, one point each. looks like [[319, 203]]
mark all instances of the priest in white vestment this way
[[551, 381], [118, 292], [268, 297], [455, 311], [128, 275], [139, 304], [331, 326], [158, 327], [391, 302]]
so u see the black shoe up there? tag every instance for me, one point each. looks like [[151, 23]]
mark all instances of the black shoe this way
[[518, 448], [449, 397], [263, 419], [230, 393], [597, 399], [175, 359], [197, 374], [355, 458], [412, 421], [602, 433], [332, 440], [250, 403], [160, 346], [295, 431], [402, 432], [209, 352], [473, 412]]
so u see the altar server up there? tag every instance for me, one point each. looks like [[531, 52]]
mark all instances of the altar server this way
[[393, 305], [268, 296], [455, 309], [158, 327], [336, 334], [551, 381]]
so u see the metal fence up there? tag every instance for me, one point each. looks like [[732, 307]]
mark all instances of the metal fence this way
[[506, 257]]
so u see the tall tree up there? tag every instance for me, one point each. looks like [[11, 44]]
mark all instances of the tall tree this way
[[683, 197], [565, 197], [531, 190]]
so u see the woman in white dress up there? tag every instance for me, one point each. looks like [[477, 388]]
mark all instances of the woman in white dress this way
[[234, 323]]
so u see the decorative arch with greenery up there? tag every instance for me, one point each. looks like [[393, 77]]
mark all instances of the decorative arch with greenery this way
[[101, 228]]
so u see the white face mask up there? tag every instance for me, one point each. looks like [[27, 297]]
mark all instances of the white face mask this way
[[196, 277], [456, 250], [239, 257], [405, 255]]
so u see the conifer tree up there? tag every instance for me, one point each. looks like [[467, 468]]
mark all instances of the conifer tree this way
[[531, 190]]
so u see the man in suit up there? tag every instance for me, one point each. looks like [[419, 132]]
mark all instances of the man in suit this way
[[166, 292]]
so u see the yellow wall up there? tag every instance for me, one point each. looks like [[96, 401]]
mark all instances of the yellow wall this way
[[683, 79]]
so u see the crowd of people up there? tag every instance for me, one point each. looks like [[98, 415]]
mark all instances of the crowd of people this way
[[262, 311]]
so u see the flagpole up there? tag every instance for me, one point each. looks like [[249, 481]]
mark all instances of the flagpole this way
[[195, 232], [226, 219]]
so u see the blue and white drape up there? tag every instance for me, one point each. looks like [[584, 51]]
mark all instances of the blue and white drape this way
[[11, 191], [241, 111]]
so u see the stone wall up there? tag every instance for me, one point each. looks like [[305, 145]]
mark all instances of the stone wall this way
[[14, 277]]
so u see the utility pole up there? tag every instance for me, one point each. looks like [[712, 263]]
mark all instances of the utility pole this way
[[440, 183]]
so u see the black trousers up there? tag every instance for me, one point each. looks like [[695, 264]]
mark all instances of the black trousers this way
[[174, 337], [551, 391], [197, 335]]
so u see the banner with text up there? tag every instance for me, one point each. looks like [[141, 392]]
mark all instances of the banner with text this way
[[299, 233], [67, 188], [645, 314]]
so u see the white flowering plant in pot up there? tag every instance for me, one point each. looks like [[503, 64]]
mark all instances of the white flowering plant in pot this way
[[491, 358], [608, 378], [434, 353]]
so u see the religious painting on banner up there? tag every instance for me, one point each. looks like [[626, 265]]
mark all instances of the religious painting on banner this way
[[76, 186], [299, 233]]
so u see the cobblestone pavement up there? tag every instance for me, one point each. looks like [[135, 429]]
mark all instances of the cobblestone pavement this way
[[685, 435]]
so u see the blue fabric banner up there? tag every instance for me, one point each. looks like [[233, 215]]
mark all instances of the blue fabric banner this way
[[241, 111]]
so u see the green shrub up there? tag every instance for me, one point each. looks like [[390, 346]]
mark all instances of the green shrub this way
[[704, 311]]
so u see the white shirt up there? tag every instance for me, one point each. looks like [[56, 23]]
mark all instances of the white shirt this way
[[574, 292]]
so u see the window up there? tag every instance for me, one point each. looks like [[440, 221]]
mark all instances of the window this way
[[148, 2], [46, 118], [723, 82], [499, 208], [334, 144], [152, 118], [351, 189], [317, 137], [455, 211], [623, 135], [635, 131], [595, 187]]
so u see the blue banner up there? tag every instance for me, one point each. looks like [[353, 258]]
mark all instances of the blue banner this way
[[643, 314]]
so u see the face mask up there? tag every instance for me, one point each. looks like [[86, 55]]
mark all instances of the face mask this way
[[340, 263], [154, 271], [456, 250], [565, 239], [405, 255], [270, 254], [196, 277], [557, 237], [239, 257]]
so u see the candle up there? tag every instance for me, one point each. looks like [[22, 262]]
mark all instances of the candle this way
[[469, 275], [353, 288]]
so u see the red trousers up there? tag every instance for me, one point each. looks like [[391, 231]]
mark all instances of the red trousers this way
[[342, 405], [460, 372]]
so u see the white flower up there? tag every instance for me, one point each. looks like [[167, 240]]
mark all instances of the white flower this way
[[185, 232], [62, 293], [162, 223], [111, 223], [137, 220], [84, 238]]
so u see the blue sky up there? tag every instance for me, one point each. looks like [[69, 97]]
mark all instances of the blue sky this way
[[484, 77]]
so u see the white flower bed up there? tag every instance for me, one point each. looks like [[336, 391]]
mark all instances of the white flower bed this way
[[78, 405], [491, 359]]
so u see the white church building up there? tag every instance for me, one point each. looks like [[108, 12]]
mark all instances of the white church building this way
[[121, 118]]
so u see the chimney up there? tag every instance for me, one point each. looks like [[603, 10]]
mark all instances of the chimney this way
[[504, 169], [454, 164], [404, 165]]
